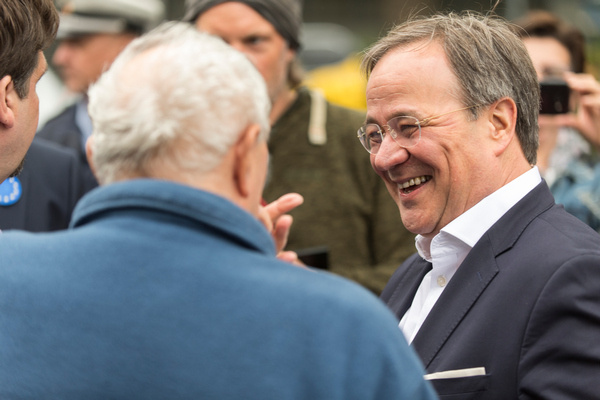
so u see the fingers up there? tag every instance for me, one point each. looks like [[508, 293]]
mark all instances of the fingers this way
[[273, 217], [591, 101], [281, 231], [265, 219], [291, 257], [587, 88], [283, 205], [270, 213], [582, 83], [587, 116]]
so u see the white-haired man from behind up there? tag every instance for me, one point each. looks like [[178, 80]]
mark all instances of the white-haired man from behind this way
[[167, 285], [184, 124]]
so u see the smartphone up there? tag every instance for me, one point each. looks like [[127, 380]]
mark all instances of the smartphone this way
[[316, 257], [555, 97]]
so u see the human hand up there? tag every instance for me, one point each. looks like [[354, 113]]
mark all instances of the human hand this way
[[586, 118], [275, 219]]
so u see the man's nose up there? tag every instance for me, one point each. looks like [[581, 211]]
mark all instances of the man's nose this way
[[389, 155], [60, 54]]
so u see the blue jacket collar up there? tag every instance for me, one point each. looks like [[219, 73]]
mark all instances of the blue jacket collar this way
[[176, 199]]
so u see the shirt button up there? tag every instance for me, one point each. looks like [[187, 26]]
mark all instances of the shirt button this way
[[441, 281]]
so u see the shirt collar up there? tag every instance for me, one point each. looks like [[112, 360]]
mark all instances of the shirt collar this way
[[470, 226], [83, 120]]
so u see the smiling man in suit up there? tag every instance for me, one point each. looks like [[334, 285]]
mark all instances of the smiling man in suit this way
[[502, 300]]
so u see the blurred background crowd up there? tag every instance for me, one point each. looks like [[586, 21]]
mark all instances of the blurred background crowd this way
[[562, 38], [331, 40], [336, 31]]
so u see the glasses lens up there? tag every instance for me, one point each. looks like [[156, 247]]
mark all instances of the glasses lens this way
[[370, 137], [406, 131]]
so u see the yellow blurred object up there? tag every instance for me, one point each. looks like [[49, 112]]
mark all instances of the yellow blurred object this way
[[341, 83]]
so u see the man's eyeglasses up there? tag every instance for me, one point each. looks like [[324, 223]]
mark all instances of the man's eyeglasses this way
[[405, 130]]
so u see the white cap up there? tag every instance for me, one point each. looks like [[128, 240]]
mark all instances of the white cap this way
[[84, 17]]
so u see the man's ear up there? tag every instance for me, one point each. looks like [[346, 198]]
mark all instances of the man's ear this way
[[89, 152], [7, 89], [503, 122], [243, 160]]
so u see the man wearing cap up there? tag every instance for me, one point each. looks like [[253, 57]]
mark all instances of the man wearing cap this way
[[346, 209], [92, 33]]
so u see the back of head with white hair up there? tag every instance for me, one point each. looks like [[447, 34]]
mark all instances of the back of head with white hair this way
[[174, 95]]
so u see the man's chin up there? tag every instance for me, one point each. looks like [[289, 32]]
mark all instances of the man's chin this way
[[18, 170]]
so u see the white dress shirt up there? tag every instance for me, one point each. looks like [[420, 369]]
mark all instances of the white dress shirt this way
[[447, 250]]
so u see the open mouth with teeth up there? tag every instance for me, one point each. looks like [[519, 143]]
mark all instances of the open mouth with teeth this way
[[413, 184]]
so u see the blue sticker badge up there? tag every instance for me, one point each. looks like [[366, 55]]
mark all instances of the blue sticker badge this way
[[10, 191]]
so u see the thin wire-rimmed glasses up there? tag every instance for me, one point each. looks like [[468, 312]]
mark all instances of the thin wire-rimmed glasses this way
[[405, 130]]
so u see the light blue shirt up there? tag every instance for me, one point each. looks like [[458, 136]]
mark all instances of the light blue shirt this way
[[83, 120]]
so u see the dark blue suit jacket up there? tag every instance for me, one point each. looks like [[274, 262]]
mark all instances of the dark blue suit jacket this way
[[63, 130], [524, 304], [52, 183]]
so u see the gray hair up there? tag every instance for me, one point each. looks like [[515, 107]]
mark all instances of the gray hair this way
[[175, 95], [487, 57]]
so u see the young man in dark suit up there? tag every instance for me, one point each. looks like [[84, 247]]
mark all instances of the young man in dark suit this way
[[44, 194], [26, 29]]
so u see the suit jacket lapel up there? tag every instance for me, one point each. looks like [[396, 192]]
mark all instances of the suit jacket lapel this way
[[476, 272], [404, 285], [470, 280]]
